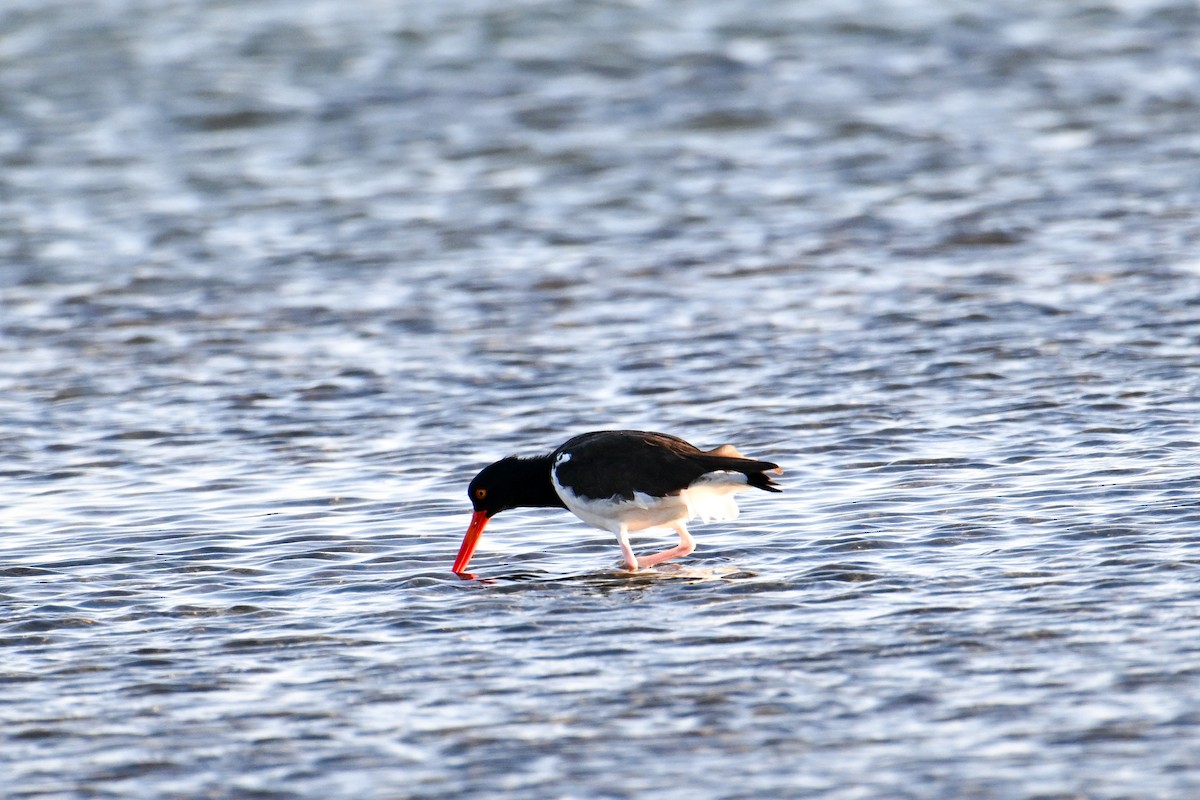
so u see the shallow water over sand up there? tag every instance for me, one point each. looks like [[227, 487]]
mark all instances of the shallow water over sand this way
[[278, 280]]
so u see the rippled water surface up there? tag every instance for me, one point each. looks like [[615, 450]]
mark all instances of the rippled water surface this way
[[278, 277]]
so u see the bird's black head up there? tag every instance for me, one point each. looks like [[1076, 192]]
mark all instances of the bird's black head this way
[[495, 489], [509, 483]]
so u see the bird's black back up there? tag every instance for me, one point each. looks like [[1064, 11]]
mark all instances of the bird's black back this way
[[607, 464]]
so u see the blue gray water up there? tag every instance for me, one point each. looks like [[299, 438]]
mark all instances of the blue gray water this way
[[278, 277]]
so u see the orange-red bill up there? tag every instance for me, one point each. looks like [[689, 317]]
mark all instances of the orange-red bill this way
[[479, 521]]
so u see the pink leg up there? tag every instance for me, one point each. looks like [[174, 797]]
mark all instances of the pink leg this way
[[631, 561], [686, 545]]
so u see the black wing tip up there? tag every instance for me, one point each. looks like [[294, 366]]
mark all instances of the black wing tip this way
[[761, 480], [754, 470]]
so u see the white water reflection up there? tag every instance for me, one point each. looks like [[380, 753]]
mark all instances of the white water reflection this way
[[276, 282]]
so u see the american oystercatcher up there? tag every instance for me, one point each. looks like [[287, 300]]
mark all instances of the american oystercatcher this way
[[620, 481]]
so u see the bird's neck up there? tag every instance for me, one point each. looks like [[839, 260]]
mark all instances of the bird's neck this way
[[532, 485]]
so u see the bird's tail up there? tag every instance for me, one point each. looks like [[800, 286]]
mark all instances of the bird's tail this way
[[755, 471]]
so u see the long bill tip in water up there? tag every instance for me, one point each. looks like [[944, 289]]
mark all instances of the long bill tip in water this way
[[479, 521]]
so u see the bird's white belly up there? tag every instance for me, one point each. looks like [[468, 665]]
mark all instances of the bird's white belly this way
[[710, 497]]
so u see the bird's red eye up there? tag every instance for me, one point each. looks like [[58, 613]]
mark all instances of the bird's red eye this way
[[480, 494]]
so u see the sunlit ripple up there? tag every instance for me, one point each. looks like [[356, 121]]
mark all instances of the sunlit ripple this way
[[278, 278]]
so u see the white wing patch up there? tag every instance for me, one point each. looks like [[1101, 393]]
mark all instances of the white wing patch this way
[[710, 497]]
